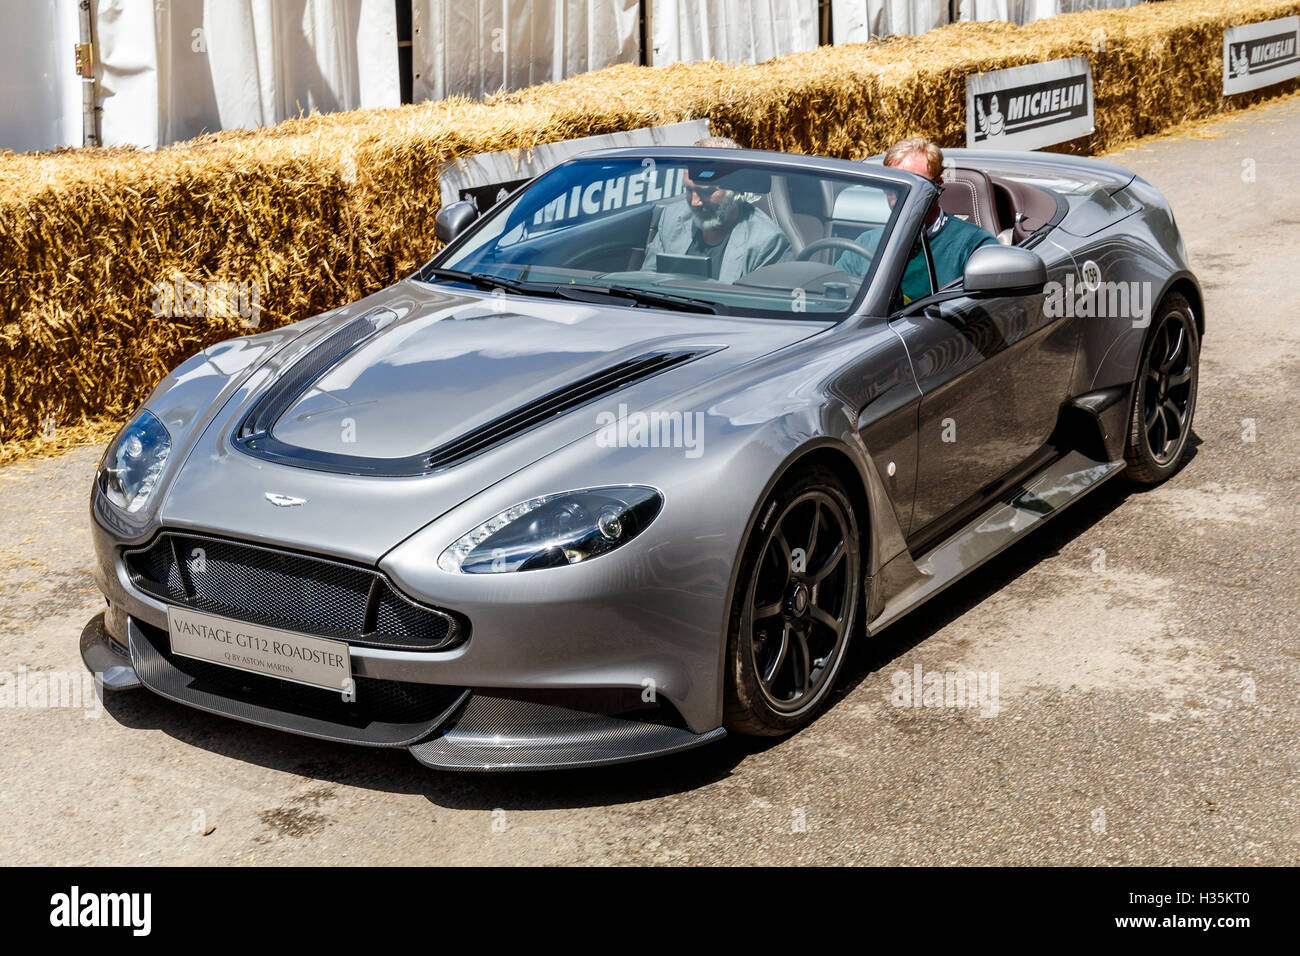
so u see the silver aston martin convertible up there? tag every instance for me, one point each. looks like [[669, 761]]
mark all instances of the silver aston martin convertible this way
[[631, 461]]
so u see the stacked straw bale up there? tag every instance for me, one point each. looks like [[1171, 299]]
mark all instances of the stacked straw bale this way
[[324, 209]]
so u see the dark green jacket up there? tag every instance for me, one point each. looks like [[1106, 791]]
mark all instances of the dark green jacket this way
[[950, 247]]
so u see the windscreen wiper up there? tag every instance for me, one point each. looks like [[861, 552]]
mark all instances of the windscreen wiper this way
[[643, 297], [567, 290], [486, 280]]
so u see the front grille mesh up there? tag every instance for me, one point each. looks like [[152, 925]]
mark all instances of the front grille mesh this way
[[289, 591]]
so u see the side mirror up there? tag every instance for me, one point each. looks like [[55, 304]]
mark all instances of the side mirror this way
[[452, 220], [1003, 270]]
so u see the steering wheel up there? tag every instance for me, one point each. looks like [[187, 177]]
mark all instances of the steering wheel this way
[[834, 242]]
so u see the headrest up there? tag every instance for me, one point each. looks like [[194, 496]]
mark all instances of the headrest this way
[[861, 204]]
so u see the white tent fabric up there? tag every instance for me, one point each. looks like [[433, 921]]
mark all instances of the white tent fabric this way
[[856, 21], [40, 92], [1026, 11], [477, 47], [733, 31], [172, 69]]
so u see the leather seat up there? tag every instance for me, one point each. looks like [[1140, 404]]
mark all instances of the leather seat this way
[[968, 194], [800, 227]]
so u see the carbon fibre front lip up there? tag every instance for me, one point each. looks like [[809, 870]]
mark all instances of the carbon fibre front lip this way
[[157, 674], [493, 732], [481, 730], [105, 658]]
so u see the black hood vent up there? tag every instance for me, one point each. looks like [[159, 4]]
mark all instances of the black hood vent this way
[[308, 369], [554, 403], [254, 433]]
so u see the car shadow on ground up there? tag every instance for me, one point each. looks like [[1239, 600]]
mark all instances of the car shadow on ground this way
[[395, 771]]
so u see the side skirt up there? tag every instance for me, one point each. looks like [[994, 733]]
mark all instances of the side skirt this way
[[988, 534]]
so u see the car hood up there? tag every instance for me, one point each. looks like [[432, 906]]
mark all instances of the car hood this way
[[437, 368], [444, 366]]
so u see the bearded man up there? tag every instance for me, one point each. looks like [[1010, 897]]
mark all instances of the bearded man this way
[[719, 225]]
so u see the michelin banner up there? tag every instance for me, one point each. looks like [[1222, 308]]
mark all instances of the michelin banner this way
[[1026, 107], [1260, 54], [487, 178]]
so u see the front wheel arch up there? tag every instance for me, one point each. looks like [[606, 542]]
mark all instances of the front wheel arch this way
[[831, 454], [824, 464]]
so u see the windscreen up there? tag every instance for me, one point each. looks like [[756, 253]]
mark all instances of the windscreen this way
[[720, 236]]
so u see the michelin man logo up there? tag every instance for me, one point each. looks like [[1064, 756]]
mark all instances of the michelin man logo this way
[[991, 123], [1239, 62]]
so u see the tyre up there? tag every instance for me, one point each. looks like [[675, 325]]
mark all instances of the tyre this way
[[795, 606], [1164, 396]]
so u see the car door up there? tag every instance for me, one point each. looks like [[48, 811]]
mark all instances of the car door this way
[[993, 373]]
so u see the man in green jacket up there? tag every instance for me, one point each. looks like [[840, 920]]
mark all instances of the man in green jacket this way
[[952, 240]]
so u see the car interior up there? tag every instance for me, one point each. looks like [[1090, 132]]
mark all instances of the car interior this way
[[808, 209], [1012, 211]]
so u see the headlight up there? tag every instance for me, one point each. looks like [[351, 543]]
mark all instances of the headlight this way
[[554, 530], [131, 467]]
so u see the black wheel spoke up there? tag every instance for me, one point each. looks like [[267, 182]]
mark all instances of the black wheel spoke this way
[[812, 537], [1175, 347], [1157, 426], [802, 663], [778, 659], [829, 565], [825, 619], [1173, 419], [1180, 379], [1159, 347], [778, 540], [764, 611]]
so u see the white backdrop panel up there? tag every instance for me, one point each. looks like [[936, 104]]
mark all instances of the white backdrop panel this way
[[856, 21], [40, 97], [172, 69], [1026, 11], [733, 31], [477, 47]]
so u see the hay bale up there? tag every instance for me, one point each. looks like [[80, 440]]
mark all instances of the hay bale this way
[[326, 208]]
